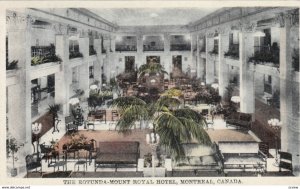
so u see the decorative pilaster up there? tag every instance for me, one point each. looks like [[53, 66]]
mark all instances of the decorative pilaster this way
[[63, 78], [168, 58], [98, 63], [84, 68], [139, 58], [19, 104], [210, 68], [223, 67], [247, 94]]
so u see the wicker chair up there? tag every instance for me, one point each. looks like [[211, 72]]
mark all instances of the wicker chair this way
[[33, 162]]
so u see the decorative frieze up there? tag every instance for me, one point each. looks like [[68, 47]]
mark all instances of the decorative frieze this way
[[18, 21], [245, 26], [60, 29], [291, 16]]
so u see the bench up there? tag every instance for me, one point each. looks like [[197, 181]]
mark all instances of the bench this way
[[240, 120], [242, 155], [117, 153]]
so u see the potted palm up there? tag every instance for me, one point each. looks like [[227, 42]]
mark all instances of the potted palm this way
[[13, 147], [174, 125], [53, 110]]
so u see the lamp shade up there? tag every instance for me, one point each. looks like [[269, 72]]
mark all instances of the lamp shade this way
[[93, 87], [235, 99], [215, 85], [74, 101]]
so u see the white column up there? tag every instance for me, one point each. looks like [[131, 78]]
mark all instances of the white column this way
[[98, 63], [210, 78], [223, 67], [247, 104], [139, 57], [194, 53], [84, 68], [19, 95], [286, 90], [168, 57], [64, 77]]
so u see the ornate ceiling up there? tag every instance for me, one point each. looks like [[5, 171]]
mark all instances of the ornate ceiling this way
[[153, 16]]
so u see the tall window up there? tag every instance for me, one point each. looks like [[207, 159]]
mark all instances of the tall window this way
[[268, 84], [91, 72]]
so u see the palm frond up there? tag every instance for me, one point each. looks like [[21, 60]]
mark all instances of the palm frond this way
[[168, 102], [130, 116], [171, 131], [128, 101], [173, 92], [191, 114]]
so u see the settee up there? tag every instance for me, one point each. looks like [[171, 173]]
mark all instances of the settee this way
[[239, 120], [117, 153], [198, 158], [241, 156]]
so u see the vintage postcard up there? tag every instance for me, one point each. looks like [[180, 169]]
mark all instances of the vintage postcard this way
[[150, 92]]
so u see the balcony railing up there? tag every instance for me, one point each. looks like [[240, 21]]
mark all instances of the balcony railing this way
[[75, 54], [43, 54], [42, 51], [265, 54], [92, 51], [125, 48], [153, 48], [180, 47], [11, 65], [233, 51], [215, 51]]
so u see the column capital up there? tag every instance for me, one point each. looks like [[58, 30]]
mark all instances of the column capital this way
[[201, 35], [83, 33], [292, 17], [223, 30], [60, 29], [210, 34], [246, 26], [18, 21]]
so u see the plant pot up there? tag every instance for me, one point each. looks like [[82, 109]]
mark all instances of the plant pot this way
[[13, 172]]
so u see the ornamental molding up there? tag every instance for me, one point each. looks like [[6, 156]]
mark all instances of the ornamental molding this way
[[83, 33], [18, 21], [245, 26], [292, 17], [60, 29]]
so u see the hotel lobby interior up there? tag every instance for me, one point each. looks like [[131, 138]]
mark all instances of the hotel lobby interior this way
[[165, 92]]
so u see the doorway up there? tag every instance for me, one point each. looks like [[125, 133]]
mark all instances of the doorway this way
[[177, 65], [129, 63]]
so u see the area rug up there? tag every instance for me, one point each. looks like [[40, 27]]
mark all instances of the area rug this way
[[47, 124], [120, 174], [58, 174]]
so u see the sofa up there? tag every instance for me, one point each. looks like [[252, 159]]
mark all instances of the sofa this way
[[239, 120], [198, 158], [117, 153], [241, 156]]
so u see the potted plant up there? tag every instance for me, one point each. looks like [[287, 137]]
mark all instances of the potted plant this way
[[53, 110], [13, 147]]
